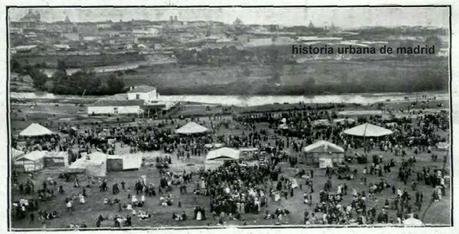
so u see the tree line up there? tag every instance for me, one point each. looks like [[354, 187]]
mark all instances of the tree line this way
[[84, 82]]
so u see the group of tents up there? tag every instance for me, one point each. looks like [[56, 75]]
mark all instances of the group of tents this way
[[37, 159], [325, 154], [94, 164], [321, 153], [98, 164]]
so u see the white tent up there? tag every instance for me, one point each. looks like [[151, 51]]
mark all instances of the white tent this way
[[368, 130], [216, 158], [321, 122], [95, 164], [124, 162], [32, 161], [224, 153], [34, 155], [323, 153], [323, 147], [16, 153], [412, 222], [191, 128], [443, 146], [132, 161], [35, 130]]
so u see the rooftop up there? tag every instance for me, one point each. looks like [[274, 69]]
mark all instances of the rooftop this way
[[118, 103]]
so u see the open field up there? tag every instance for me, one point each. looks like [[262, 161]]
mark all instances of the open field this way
[[308, 78], [312, 77]]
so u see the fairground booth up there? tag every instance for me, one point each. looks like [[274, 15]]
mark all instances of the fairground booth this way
[[323, 154], [217, 158]]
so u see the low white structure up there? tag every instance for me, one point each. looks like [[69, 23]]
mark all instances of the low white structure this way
[[116, 107], [323, 153], [216, 158], [143, 92], [32, 161], [94, 164]]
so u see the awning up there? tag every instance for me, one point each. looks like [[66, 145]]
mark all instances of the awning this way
[[224, 153], [323, 147]]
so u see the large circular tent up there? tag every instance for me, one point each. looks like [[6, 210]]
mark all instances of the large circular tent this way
[[368, 130], [35, 130], [191, 128]]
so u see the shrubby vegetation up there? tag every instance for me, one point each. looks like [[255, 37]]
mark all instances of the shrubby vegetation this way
[[83, 82]]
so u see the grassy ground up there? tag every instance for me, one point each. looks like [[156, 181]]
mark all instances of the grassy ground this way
[[391, 75]]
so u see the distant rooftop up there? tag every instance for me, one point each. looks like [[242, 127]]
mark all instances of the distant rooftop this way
[[141, 89], [118, 103]]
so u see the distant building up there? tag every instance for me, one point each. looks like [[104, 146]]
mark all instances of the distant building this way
[[238, 22], [71, 36], [116, 107], [61, 47], [67, 20], [173, 19], [31, 17], [23, 49], [143, 92], [140, 100]]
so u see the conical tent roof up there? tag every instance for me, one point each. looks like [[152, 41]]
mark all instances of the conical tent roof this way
[[191, 128], [223, 153], [323, 147], [368, 130], [35, 130], [33, 156]]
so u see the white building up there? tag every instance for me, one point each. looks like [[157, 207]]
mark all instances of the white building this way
[[143, 92], [116, 107]]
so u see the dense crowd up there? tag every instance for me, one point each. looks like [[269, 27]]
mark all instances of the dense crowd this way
[[235, 189]]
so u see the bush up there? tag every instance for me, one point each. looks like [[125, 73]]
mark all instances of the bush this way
[[86, 83]]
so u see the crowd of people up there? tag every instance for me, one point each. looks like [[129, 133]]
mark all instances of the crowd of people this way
[[235, 190]]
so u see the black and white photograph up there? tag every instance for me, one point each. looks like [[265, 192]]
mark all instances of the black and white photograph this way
[[188, 117]]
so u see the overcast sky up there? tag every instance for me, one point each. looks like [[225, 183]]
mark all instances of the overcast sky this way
[[342, 17]]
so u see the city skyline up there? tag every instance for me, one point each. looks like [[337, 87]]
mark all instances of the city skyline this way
[[342, 17]]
